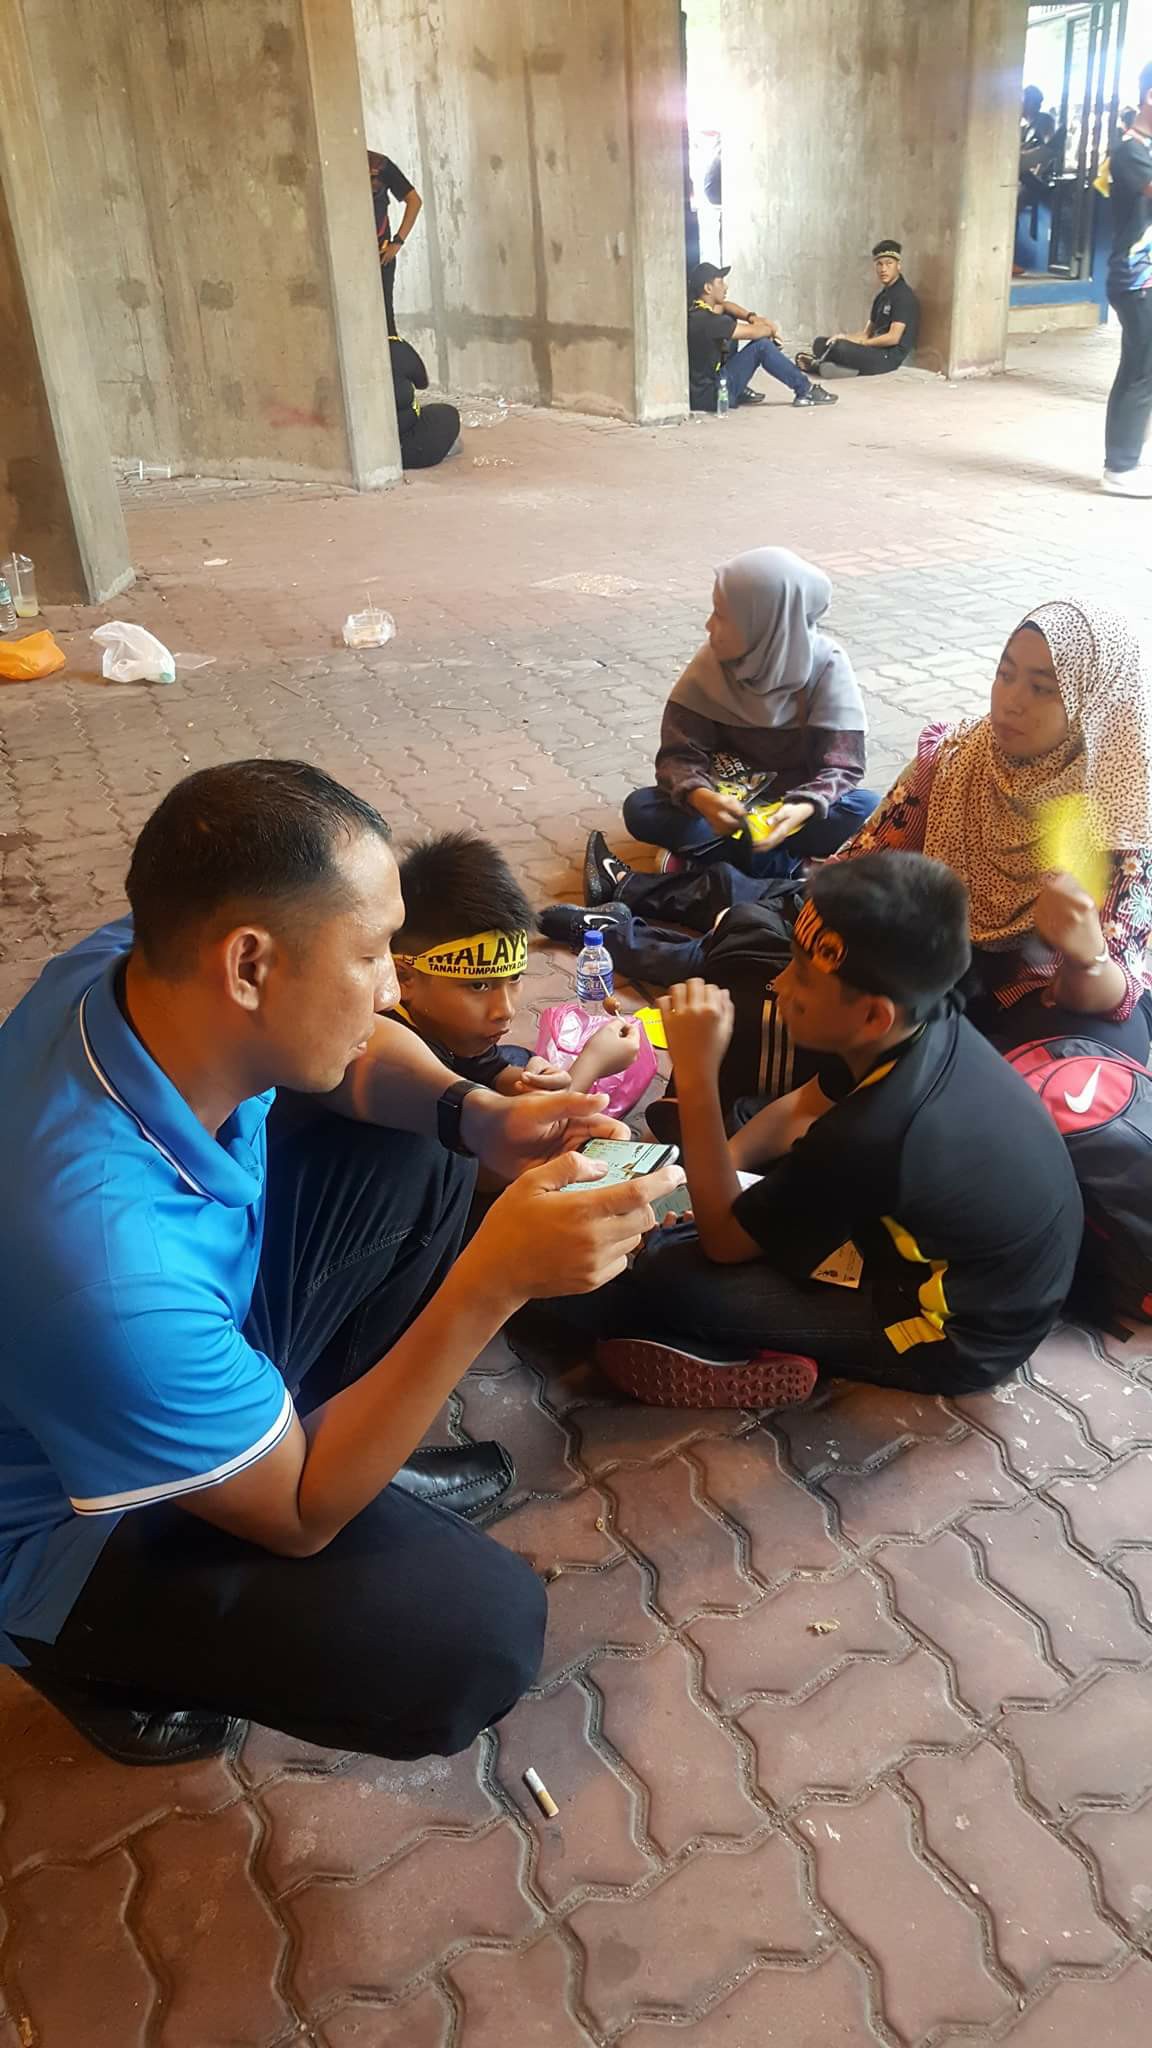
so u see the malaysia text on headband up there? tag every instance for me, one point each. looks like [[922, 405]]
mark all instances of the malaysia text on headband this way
[[486, 956]]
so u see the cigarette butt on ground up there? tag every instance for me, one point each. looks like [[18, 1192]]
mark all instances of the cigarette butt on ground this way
[[541, 1794]]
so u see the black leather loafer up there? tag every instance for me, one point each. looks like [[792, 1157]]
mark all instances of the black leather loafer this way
[[467, 1478], [139, 1735]]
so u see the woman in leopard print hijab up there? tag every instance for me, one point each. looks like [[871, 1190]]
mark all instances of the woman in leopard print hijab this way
[[1071, 716]]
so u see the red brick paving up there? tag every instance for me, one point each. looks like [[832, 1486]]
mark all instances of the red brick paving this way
[[848, 1716]]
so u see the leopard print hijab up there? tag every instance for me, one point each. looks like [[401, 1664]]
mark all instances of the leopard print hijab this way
[[984, 810]]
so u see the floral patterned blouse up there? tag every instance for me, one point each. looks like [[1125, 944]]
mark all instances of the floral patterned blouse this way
[[899, 822]]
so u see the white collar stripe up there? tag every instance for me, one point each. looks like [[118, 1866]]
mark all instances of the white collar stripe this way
[[141, 1126]]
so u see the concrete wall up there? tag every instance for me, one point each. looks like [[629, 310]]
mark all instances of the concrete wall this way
[[860, 119], [209, 159], [544, 136], [58, 501]]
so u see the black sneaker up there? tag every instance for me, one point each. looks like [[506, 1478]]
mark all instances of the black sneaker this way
[[604, 874], [817, 395], [567, 923], [752, 398]]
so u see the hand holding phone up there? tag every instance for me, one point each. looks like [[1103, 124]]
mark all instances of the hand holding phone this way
[[628, 1161], [531, 1246]]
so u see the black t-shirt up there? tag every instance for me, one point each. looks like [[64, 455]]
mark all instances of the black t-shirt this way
[[486, 1067], [897, 301], [709, 346], [408, 377], [955, 1187], [1130, 167], [387, 180]]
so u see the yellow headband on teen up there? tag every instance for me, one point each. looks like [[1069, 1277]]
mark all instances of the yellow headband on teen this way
[[487, 956], [824, 947]]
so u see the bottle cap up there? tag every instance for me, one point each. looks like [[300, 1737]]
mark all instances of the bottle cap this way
[[591, 937]]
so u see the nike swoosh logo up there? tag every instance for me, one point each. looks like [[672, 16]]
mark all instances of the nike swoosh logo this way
[[1078, 1104]]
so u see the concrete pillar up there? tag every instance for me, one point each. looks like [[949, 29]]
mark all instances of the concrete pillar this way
[[219, 223], [357, 303], [982, 270], [656, 122], [58, 498]]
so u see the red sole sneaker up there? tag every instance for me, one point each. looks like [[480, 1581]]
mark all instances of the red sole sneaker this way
[[667, 1378]]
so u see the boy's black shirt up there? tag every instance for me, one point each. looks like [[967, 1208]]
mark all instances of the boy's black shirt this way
[[949, 1177]]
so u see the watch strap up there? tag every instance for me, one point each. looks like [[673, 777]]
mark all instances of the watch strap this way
[[448, 1115]]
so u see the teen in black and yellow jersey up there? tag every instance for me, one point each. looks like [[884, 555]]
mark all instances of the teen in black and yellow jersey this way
[[917, 1221]]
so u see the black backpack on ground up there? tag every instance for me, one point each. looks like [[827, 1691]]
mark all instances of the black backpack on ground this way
[[1101, 1102]]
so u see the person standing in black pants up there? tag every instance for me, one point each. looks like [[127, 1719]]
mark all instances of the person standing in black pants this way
[[388, 181], [1130, 296]]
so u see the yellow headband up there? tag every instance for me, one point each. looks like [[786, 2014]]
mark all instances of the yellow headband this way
[[487, 956], [824, 947]]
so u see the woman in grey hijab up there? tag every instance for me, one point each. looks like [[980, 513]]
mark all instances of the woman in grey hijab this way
[[769, 712]]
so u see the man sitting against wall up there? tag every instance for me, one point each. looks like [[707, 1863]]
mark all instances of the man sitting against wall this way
[[715, 325], [892, 331]]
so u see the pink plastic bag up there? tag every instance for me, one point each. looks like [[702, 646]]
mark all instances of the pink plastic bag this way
[[565, 1030]]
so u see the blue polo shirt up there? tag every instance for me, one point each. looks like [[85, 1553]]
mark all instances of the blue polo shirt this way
[[131, 1241]]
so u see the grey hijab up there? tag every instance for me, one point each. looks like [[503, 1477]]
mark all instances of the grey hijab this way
[[776, 600]]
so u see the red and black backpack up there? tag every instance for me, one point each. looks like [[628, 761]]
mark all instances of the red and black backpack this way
[[1101, 1102]]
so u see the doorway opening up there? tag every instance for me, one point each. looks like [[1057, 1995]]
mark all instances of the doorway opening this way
[[1071, 101]]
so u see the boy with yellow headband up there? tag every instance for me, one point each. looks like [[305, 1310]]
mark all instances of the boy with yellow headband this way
[[460, 957]]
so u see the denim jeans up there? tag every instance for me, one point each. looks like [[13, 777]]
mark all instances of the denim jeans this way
[[1130, 399], [410, 1631], [766, 355]]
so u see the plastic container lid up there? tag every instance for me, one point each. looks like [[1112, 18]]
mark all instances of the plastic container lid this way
[[593, 938]]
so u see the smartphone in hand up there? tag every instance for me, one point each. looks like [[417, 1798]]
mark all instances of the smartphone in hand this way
[[626, 1160]]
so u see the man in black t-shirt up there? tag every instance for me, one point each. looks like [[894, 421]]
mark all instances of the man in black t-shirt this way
[[1130, 296], [918, 1220], [715, 326], [390, 182], [893, 325]]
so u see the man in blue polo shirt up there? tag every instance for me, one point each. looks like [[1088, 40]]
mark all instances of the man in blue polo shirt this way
[[228, 1319]]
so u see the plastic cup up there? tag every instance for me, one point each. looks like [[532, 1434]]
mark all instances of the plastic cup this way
[[20, 576]]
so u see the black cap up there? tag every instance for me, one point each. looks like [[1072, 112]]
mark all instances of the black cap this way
[[702, 274], [888, 248]]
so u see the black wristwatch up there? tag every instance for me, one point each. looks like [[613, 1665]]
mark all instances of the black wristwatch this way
[[448, 1113]]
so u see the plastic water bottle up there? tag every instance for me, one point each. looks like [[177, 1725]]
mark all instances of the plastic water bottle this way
[[8, 617], [594, 976], [721, 397]]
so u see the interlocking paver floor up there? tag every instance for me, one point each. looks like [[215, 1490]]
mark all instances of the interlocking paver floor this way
[[848, 1714]]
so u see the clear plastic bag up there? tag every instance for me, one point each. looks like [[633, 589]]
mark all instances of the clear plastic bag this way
[[133, 655]]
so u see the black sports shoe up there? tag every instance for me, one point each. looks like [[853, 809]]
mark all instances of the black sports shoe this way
[[604, 874], [752, 398], [567, 923], [816, 394]]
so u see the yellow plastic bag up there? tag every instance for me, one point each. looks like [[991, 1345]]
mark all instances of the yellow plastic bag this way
[[25, 661]]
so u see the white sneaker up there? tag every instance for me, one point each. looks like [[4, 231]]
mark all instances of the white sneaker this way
[[1127, 483]]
